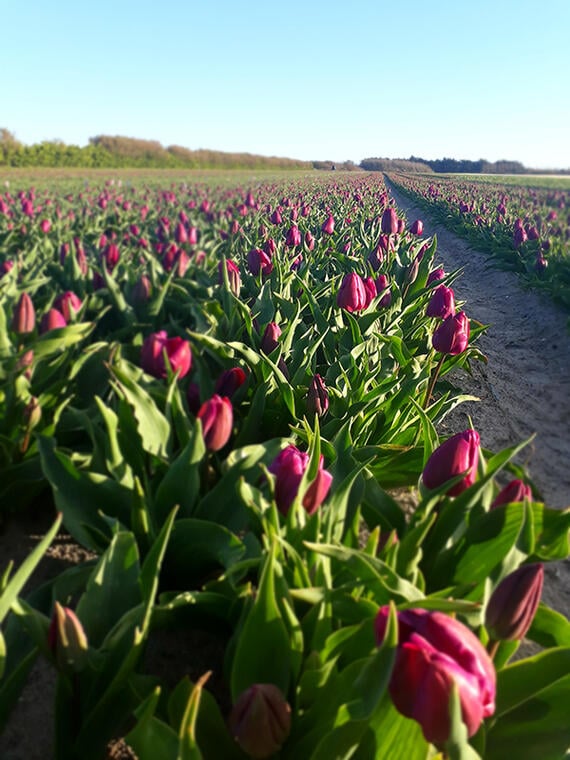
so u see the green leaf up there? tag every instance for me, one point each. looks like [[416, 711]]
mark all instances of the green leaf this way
[[262, 652], [61, 339], [112, 590], [521, 681], [549, 628], [457, 746], [151, 738]]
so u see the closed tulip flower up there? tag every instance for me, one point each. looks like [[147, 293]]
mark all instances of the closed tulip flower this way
[[417, 227], [234, 277], [217, 418], [435, 653], [229, 381], [389, 223], [513, 603], [442, 303], [68, 304], [67, 640], [328, 225], [317, 397], [370, 289], [258, 261], [293, 237], [52, 320], [515, 491], [260, 720], [177, 350], [270, 339], [452, 336], [288, 468], [24, 316], [352, 293], [458, 455], [435, 276]]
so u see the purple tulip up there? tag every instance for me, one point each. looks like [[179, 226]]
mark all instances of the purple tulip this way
[[328, 225], [352, 293], [258, 261], [288, 468], [234, 277], [24, 316], [370, 290], [435, 276], [513, 603], [52, 320], [515, 491], [217, 417], [317, 397], [45, 226], [417, 227], [229, 381], [68, 304], [270, 339], [260, 720], [293, 237], [452, 336], [389, 223], [442, 303], [177, 350], [459, 455], [436, 652]]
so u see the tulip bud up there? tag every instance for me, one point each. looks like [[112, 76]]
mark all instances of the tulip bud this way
[[258, 261], [45, 226], [270, 339], [515, 491], [32, 413], [389, 223], [514, 602], [442, 303], [229, 381], [217, 419], [68, 304], [180, 233], [293, 237], [275, 217], [52, 320], [352, 293], [417, 227], [24, 317], [309, 241], [288, 467], [458, 455], [67, 640], [177, 350], [435, 653], [328, 225], [435, 276], [234, 278], [142, 290], [5, 267], [260, 720], [111, 256], [452, 336], [317, 397]]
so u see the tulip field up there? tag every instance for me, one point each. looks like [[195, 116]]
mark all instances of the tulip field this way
[[220, 392], [524, 224]]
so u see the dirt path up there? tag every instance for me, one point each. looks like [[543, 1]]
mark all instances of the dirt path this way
[[525, 387]]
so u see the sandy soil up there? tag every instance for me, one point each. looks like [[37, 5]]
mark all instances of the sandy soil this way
[[524, 389]]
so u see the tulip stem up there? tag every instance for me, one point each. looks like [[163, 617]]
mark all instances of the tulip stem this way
[[492, 647], [433, 381]]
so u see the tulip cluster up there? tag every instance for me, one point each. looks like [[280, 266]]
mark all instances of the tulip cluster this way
[[289, 467]]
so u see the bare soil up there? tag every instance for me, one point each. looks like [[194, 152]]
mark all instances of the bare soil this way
[[524, 389]]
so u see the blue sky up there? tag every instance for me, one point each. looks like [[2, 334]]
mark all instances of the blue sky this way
[[310, 80]]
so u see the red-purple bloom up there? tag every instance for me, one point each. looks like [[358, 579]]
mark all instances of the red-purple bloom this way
[[234, 277], [317, 397], [370, 289], [289, 467], [270, 339], [52, 320], [229, 381], [459, 455], [258, 261], [389, 223], [417, 227], [452, 336], [24, 316], [217, 419], [45, 226], [436, 652], [260, 720], [513, 603], [177, 351], [515, 491], [442, 303], [352, 293], [435, 276], [293, 237], [328, 225], [68, 304]]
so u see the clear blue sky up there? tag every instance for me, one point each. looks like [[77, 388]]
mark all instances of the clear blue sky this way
[[311, 80]]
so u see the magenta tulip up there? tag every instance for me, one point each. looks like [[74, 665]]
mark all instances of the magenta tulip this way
[[417, 227], [459, 455], [317, 397], [515, 491], [52, 320], [328, 225], [352, 293], [513, 603], [260, 720], [217, 417], [436, 652], [442, 303], [229, 381], [177, 351], [24, 315], [452, 336], [288, 468], [68, 304], [389, 223], [258, 261]]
